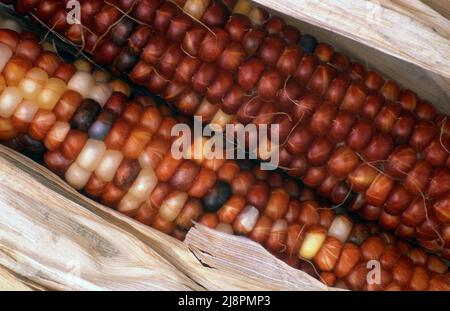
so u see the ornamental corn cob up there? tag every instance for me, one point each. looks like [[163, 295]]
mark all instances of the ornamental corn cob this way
[[343, 128]]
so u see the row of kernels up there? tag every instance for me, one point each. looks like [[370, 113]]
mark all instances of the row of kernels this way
[[174, 203], [36, 84]]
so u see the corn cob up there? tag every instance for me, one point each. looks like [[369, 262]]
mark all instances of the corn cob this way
[[348, 130], [115, 150]]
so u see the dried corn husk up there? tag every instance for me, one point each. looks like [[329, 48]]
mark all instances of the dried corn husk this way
[[54, 237]]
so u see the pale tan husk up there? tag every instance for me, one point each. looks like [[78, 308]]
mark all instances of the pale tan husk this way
[[54, 237]]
